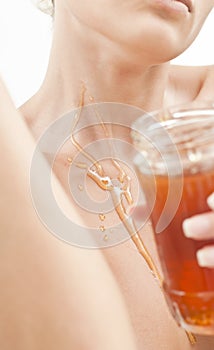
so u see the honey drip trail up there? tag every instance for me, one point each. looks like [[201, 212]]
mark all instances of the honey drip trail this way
[[119, 193]]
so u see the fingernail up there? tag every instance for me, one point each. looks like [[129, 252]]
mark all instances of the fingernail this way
[[195, 226], [210, 201], [205, 257]]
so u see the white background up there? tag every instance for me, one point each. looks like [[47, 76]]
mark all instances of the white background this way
[[25, 39]]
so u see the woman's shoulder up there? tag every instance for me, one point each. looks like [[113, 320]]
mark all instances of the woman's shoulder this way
[[195, 82]]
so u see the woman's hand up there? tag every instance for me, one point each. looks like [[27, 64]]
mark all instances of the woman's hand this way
[[201, 227]]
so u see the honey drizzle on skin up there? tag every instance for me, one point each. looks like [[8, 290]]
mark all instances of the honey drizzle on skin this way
[[80, 165], [122, 175], [102, 217], [118, 193], [73, 140]]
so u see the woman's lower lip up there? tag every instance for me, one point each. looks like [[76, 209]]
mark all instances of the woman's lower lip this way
[[173, 6]]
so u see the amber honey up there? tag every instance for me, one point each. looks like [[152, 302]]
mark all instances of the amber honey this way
[[189, 288]]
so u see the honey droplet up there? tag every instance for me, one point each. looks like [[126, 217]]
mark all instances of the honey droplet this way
[[80, 187], [102, 217], [105, 238], [102, 228], [70, 160]]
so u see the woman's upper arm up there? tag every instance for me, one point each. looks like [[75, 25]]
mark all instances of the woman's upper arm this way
[[53, 296]]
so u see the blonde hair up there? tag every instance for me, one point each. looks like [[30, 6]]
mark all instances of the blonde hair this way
[[46, 6]]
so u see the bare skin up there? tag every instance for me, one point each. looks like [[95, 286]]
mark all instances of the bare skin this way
[[115, 71]]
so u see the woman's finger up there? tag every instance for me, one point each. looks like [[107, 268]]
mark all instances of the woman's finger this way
[[210, 201], [199, 226], [205, 256]]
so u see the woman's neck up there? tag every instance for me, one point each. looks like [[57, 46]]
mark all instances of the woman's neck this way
[[108, 71]]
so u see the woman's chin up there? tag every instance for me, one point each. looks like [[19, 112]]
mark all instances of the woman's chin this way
[[157, 40]]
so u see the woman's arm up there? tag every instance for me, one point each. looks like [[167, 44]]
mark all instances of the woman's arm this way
[[53, 296]]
